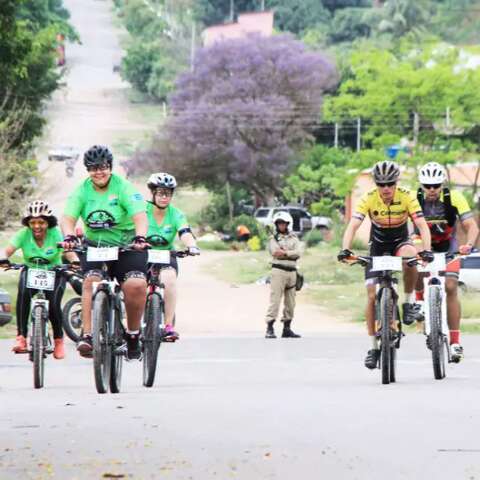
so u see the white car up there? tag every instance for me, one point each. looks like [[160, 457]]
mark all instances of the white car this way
[[470, 272], [62, 153], [303, 221]]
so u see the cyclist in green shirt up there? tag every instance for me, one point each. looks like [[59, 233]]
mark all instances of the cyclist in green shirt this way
[[38, 240], [164, 223], [114, 215]]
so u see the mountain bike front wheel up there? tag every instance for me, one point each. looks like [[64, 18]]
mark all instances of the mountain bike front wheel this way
[[151, 338], [102, 352], [387, 354], [437, 337], [38, 345]]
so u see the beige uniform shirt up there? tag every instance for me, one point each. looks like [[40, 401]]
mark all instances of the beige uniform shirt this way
[[290, 243]]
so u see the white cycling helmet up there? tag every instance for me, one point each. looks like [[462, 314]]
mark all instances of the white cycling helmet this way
[[282, 217], [39, 208], [161, 180], [432, 173]]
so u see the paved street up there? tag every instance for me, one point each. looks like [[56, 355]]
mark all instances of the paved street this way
[[244, 407]]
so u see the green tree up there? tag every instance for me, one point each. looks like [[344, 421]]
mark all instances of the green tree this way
[[406, 93]]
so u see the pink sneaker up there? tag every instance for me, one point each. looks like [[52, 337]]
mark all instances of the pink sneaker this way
[[169, 334]]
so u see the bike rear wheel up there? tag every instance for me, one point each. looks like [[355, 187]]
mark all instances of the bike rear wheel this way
[[151, 338], [102, 354], [72, 319], [388, 354], [437, 340], [38, 345], [117, 357]]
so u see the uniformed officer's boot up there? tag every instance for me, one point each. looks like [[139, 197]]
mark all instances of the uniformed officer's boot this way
[[270, 332], [288, 332]]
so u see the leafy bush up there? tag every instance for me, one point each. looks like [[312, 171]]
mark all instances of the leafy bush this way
[[254, 244], [314, 238], [216, 245]]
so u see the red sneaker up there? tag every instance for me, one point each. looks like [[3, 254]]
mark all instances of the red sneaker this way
[[20, 344], [59, 349]]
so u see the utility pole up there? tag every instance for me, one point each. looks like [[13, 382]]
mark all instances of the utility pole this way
[[232, 10], [335, 140], [416, 127], [359, 134], [262, 5]]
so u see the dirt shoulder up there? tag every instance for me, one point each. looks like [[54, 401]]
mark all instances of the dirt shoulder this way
[[211, 306]]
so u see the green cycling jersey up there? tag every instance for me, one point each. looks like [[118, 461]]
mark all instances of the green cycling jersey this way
[[107, 215], [173, 221], [49, 251]]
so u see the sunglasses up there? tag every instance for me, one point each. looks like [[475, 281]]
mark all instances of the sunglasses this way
[[164, 193], [98, 168], [386, 184], [434, 186]]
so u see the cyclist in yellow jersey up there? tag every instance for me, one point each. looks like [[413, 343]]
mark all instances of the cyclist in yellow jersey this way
[[442, 209], [389, 207]]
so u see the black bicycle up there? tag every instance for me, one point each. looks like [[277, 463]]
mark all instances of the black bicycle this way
[[108, 332], [153, 321], [41, 280], [387, 315]]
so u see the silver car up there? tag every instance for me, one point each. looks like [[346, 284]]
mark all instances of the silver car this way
[[5, 308]]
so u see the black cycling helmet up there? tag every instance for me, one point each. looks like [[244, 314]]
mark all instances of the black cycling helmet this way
[[386, 171], [98, 155]]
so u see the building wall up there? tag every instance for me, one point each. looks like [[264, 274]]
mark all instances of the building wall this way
[[248, 23]]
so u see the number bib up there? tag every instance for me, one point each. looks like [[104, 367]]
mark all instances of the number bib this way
[[40, 279], [439, 264], [161, 257], [102, 254], [386, 263]]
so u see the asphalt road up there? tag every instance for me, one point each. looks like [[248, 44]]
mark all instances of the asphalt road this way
[[248, 408]]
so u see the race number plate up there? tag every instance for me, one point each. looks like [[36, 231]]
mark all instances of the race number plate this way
[[161, 257], [102, 254], [386, 263], [439, 264], [40, 279]]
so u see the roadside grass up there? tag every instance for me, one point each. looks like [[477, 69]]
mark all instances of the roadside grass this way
[[337, 288]]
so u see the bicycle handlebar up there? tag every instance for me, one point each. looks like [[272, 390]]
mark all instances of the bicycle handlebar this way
[[366, 260]]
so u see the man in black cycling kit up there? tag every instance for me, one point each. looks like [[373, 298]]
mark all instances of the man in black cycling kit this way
[[114, 214]]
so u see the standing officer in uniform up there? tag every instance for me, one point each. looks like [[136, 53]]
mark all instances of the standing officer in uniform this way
[[284, 246]]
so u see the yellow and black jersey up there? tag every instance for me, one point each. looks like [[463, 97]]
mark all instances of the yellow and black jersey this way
[[389, 222]]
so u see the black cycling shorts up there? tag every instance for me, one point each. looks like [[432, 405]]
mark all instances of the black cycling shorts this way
[[379, 249], [132, 261]]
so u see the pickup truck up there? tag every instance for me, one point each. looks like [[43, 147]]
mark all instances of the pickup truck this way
[[303, 221]]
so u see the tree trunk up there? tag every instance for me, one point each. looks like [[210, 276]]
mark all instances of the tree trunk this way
[[229, 201]]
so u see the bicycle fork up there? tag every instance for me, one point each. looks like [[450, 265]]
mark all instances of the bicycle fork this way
[[46, 341], [436, 282]]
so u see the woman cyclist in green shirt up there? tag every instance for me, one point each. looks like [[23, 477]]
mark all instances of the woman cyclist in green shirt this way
[[38, 239], [165, 222]]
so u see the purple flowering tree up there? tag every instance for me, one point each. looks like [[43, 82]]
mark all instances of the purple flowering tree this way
[[240, 115]]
